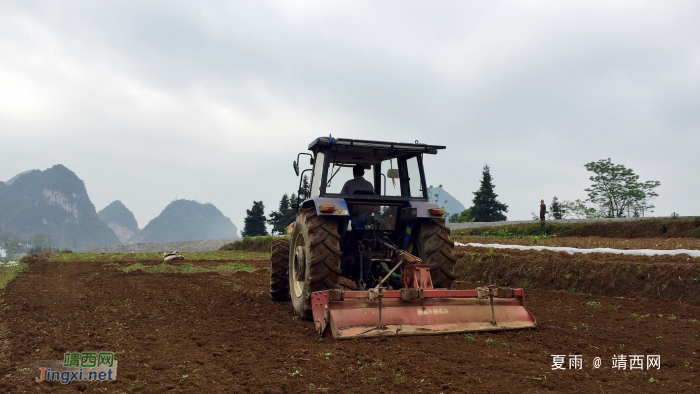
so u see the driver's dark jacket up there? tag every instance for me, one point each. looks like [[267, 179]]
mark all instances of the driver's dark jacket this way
[[356, 184]]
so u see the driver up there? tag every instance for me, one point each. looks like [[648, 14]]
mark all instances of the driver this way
[[358, 182]]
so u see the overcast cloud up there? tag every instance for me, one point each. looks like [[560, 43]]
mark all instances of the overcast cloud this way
[[146, 101]]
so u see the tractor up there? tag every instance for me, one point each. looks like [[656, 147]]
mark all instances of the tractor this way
[[377, 259]]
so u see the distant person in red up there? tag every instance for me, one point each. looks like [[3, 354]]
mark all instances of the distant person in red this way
[[543, 211]]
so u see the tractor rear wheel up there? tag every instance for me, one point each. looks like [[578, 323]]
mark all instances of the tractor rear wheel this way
[[314, 259], [436, 249], [279, 270]]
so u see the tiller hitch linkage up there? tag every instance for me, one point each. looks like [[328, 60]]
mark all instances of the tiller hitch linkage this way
[[418, 308]]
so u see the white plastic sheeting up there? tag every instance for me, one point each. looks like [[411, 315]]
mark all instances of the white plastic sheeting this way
[[637, 252]]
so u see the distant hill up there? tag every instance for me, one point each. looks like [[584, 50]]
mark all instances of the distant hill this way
[[121, 220], [186, 220], [14, 178], [451, 206], [53, 203]]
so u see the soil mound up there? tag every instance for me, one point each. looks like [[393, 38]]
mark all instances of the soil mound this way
[[646, 228], [672, 278]]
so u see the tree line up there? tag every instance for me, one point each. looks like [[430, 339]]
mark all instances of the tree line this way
[[255, 220], [616, 192], [37, 243], [486, 208]]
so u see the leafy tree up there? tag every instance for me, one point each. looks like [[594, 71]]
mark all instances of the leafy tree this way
[[39, 243], [644, 204], [462, 217], [254, 223], [555, 208], [616, 189], [284, 216], [305, 191], [486, 207], [578, 209], [9, 244]]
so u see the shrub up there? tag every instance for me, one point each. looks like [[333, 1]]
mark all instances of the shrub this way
[[696, 233], [251, 244]]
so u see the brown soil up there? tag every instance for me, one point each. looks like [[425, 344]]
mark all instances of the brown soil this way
[[589, 242], [671, 278], [224, 333]]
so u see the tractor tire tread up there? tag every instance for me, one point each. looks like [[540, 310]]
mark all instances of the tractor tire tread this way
[[322, 251], [279, 270], [438, 252]]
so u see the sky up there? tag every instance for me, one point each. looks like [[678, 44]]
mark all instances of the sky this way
[[152, 101]]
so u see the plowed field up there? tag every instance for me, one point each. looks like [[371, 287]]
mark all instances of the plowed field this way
[[218, 332]]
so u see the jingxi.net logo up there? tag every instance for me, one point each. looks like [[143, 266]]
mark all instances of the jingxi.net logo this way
[[80, 367]]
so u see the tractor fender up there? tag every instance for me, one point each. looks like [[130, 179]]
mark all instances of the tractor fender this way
[[422, 208], [341, 207], [421, 215]]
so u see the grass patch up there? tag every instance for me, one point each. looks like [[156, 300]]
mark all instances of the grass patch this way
[[134, 267], [189, 268], [234, 267], [7, 274], [493, 342], [137, 386]]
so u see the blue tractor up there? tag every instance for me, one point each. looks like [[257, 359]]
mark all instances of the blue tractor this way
[[353, 239]]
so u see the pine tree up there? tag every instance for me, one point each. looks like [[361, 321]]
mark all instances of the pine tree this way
[[486, 208], [291, 213], [305, 191], [556, 208], [284, 216], [254, 223]]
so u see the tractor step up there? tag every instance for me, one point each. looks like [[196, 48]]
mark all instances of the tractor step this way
[[414, 311]]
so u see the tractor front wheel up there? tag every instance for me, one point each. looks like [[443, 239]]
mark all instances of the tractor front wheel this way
[[314, 259]]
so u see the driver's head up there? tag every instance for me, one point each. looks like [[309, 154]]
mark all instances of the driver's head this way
[[358, 170]]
